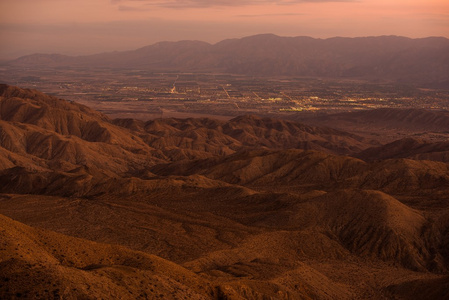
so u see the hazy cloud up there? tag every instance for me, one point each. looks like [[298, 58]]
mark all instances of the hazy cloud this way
[[131, 8], [228, 3], [86, 26], [270, 15]]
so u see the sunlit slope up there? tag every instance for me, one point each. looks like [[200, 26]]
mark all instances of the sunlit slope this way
[[40, 264]]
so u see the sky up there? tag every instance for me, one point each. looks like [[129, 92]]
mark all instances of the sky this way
[[79, 27]]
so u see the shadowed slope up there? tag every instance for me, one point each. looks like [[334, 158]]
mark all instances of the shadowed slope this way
[[388, 124], [277, 134], [437, 289], [408, 148], [221, 138], [263, 166], [316, 169], [396, 118], [278, 253], [370, 224]]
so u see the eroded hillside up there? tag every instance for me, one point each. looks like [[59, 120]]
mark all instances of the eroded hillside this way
[[252, 208]]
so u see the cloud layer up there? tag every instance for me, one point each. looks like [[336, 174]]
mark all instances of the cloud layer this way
[[224, 3], [86, 26]]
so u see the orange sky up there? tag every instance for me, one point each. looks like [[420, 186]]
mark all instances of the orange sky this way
[[90, 26]]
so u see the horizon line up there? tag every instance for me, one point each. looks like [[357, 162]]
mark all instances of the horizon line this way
[[5, 59]]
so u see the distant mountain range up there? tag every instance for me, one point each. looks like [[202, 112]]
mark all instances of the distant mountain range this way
[[422, 61]]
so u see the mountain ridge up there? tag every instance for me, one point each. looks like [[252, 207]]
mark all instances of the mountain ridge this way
[[390, 58]]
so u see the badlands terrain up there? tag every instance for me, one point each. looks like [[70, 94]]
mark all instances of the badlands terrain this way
[[250, 208]]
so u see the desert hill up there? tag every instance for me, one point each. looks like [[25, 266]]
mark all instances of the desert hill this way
[[254, 246], [47, 112], [431, 289], [248, 132], [39, 264], [54, 129], [375, 58], [409, 148], [250, 208], [414, 119], [261, 244], [387, 124], [310, 168]]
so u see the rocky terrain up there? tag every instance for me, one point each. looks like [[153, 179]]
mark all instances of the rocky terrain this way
[[387, 125], [250, 208]]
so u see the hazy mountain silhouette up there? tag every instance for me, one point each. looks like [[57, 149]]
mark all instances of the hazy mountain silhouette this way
[[423, 61], [251, 208]]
